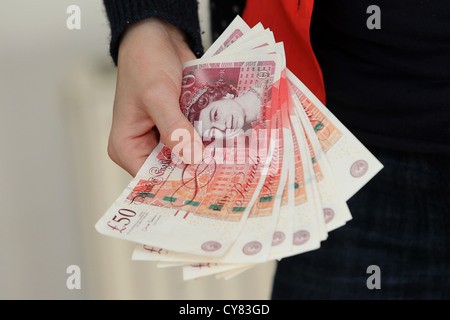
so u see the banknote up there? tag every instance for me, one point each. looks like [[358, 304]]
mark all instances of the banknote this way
[[233, 32], [352, 163], [335, 210], [277, 170], [284, 236], [201, 270], [236, 42], [205, 205], [328, 128], [256, 238], [330, 210]]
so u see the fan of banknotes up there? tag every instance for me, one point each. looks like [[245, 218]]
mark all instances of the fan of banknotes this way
[[276, 173]]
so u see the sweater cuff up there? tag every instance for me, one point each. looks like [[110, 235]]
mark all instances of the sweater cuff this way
[[180, 13]]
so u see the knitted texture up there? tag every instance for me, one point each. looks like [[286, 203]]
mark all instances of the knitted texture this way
[[180, 13]]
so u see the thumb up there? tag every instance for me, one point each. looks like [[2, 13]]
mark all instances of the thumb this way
[[178, 134]]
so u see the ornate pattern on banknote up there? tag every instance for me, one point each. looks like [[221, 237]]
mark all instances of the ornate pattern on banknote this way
[[326, 132]]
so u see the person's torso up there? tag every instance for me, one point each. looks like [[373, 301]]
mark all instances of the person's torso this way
[[391, 85], [386, 73]]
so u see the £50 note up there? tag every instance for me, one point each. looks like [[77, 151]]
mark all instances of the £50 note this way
[[200, 209]]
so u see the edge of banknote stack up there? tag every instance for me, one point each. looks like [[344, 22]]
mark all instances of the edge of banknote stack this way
[[222, 218]]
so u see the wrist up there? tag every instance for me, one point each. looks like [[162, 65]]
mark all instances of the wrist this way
[[158, 32]]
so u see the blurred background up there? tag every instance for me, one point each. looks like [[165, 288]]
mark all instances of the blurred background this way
[[56, 180]]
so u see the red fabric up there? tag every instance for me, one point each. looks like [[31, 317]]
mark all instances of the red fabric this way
[[290, 20]]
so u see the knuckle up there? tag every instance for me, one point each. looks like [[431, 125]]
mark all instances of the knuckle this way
[[112, 153], [156, 93], [166, 137], [160, 92], [173, 131]]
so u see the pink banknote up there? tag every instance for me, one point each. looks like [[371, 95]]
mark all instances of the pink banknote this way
[[353, 165], [231, 104], [228, 102], [277, 169]]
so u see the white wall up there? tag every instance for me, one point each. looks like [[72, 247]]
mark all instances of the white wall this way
[[56, 91], [39, 229]]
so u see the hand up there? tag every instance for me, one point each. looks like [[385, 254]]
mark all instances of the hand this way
[[146, 104]]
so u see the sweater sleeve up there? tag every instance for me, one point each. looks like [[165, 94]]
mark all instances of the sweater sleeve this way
[[180, 13]]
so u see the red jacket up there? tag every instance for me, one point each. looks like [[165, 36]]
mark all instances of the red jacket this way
[[290, 20]]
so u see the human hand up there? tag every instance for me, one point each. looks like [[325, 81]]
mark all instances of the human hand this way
[[146, 104]]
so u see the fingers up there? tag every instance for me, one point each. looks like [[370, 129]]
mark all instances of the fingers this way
[[129, 146], [175, 130], [148, 88], [130, 152], [180, 136]]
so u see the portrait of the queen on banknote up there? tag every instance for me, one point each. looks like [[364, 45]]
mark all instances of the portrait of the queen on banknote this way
[[230, 106], [219, 112]]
